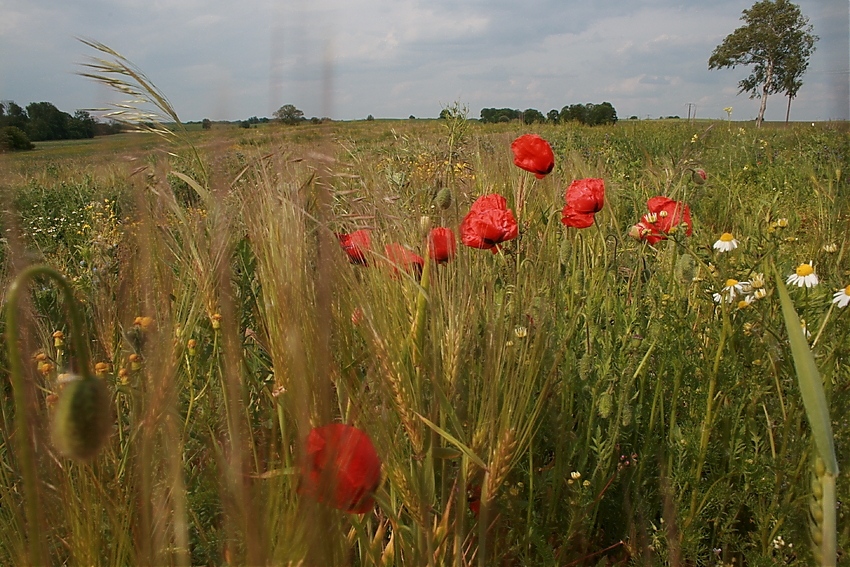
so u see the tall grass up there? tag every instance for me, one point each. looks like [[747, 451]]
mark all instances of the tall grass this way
[[582, 390]]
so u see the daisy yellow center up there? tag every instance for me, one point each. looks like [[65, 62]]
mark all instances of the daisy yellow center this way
[[804, 270], [731, 283], [743, 304], [847, 290], [727, 237]]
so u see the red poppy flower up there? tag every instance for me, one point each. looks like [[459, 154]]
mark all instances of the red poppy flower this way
[[585, 198], [441, 244], [357, 245], [571, 218], [404, 258], [342, 468], [533, 153], [586, 195], [488, 223], [670, 214], [645, 231], [664, 217], [473, 497]]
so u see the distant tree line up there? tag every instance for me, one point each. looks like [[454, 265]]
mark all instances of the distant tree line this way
[[41, 121], [590, 114]]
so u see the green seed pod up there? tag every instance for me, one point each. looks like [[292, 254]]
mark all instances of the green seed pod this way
[[82, 421], [444, 198], [605, 404]]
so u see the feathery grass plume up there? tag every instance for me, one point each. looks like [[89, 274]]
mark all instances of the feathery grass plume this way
[[120, 74]]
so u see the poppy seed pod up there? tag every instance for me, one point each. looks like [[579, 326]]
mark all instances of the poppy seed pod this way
[[82, 421]]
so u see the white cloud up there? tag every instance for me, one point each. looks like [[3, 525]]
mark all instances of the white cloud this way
[[401, 57]]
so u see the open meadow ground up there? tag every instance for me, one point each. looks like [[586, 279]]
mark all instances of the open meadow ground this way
[[619, 394]]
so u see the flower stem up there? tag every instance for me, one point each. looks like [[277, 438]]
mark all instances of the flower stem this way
[[708, 418]]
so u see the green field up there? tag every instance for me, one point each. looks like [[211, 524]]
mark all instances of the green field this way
[[577, 398]]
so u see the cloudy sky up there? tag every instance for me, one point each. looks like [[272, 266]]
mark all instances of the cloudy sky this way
[[228, 60]]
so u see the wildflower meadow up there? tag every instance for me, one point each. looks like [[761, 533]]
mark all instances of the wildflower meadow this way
[[427, 342]]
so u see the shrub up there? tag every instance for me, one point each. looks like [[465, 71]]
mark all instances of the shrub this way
[[13, 139]]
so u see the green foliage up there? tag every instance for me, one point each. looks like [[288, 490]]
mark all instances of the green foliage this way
[[532, 115], [777, 41], [42, 121], [496, 115], [13, 139], [590, 114], [288, 114]]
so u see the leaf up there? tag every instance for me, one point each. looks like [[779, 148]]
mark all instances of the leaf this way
[[811, 385], [202, 192], [454, 441]]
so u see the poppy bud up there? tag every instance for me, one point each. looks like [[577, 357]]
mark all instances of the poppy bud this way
[[82, 421], [444, 198], [698, 176]]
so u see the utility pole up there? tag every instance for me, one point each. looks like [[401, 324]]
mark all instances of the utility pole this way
[[690, 106]]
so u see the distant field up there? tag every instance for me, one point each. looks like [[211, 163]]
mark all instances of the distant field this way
[[619, 394]]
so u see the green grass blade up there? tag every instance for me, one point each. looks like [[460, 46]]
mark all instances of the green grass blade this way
[[811, 385], [454, 441]]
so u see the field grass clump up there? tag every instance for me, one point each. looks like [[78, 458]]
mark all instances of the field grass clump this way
[[578, 397]]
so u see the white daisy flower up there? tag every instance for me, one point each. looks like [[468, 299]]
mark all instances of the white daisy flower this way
[[732, 289], [727, 243], [803, 276], [746, 302], [842, 297], [757, 281], [759, 293], [830, 248]]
